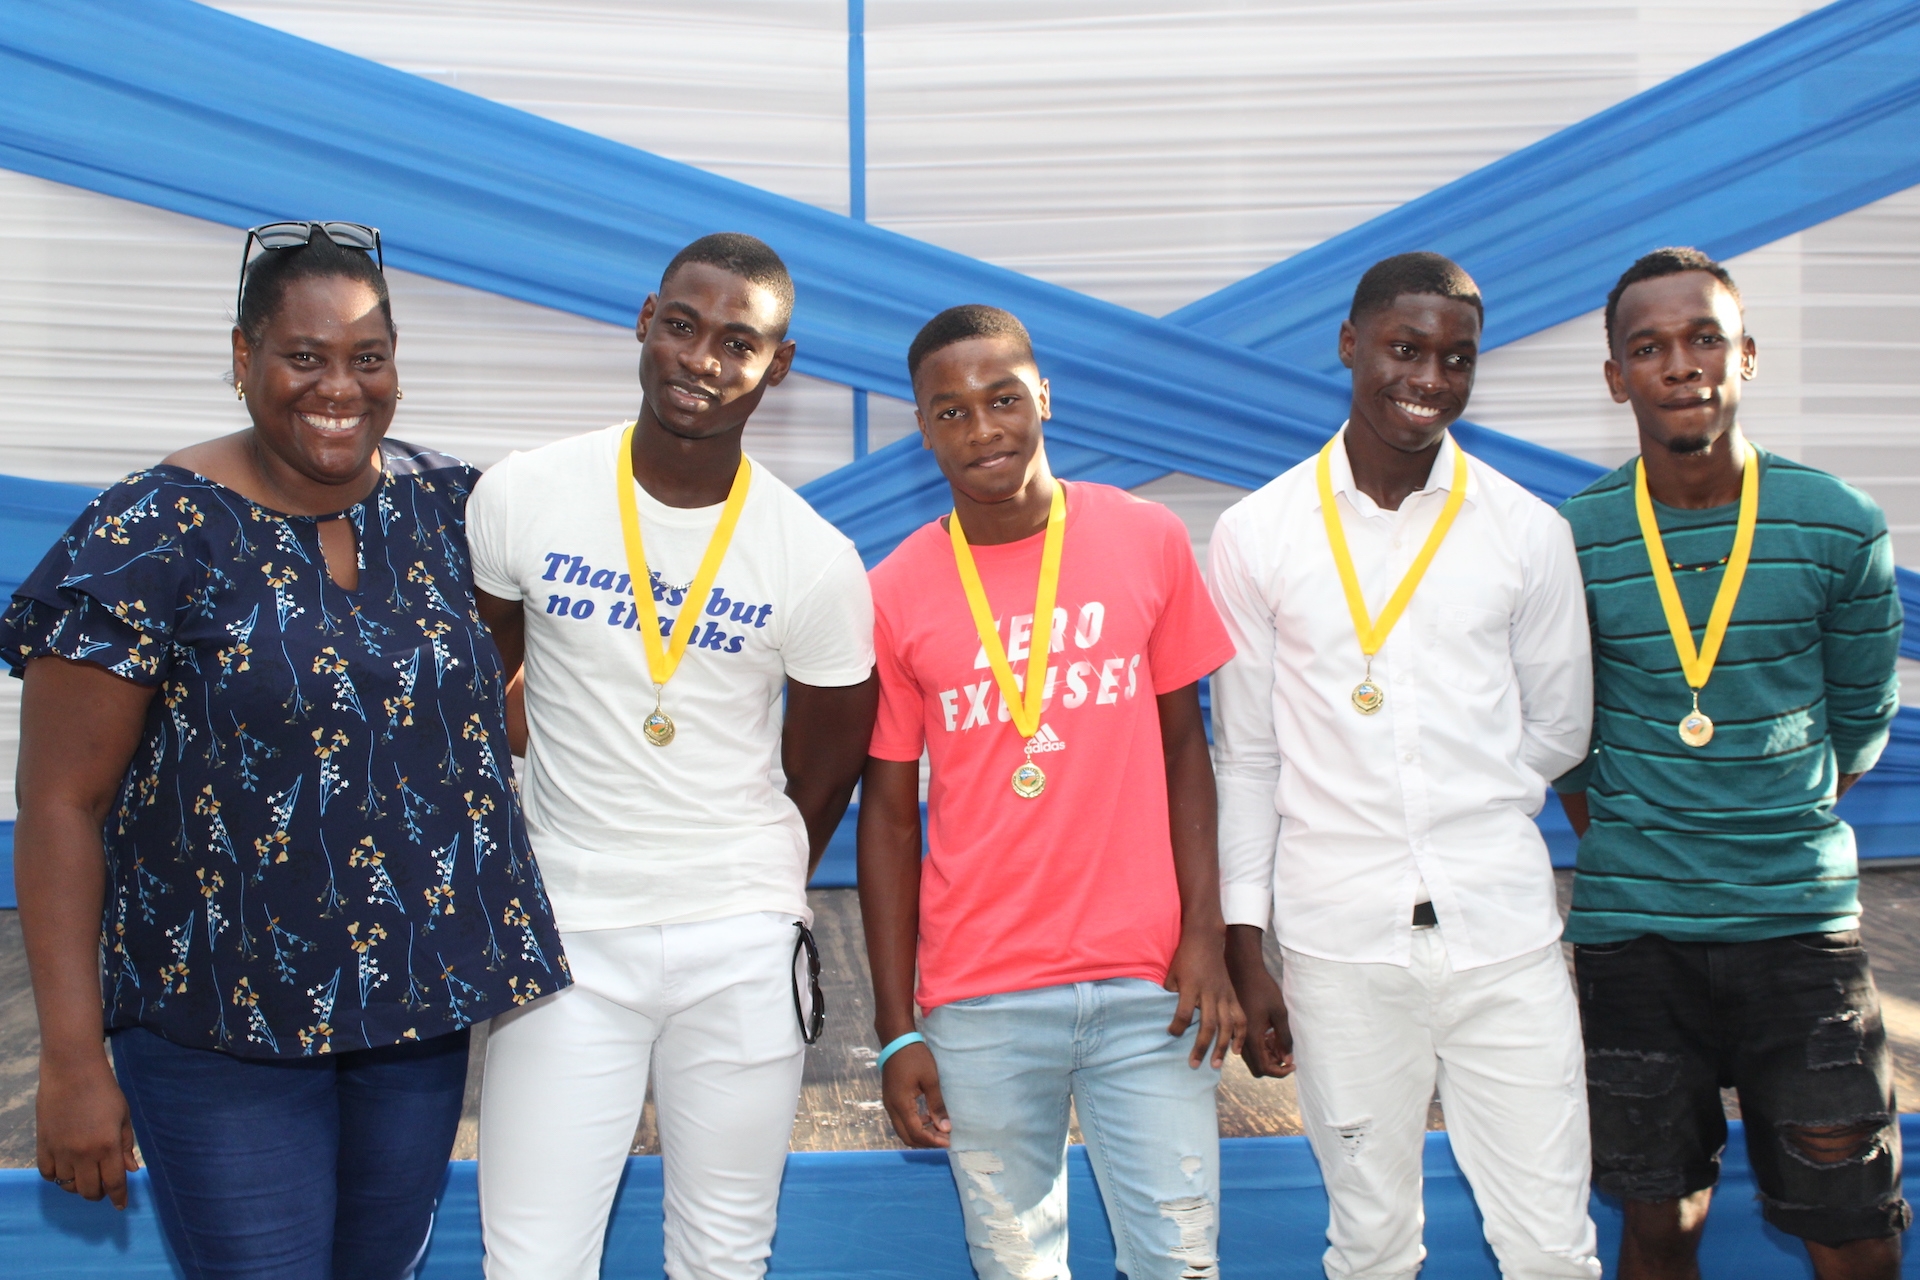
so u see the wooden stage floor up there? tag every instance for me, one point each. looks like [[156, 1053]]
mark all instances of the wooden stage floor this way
[[840, 1105]]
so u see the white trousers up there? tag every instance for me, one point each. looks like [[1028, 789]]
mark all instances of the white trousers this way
[[1502, 1042], [710, 1007]]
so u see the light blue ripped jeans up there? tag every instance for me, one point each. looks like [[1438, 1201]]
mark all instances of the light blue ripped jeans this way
[[1008, 1065]]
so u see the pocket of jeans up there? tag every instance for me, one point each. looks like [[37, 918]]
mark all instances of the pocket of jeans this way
[[1845, 943], [971, 1002], [1602, 950]]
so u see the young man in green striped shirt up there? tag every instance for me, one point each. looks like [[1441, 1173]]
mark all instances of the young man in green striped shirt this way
[[1715, 916]]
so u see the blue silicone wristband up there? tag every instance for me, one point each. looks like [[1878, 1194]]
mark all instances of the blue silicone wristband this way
[[896, 1045]]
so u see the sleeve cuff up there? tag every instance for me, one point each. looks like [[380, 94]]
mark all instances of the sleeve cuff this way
[[1575, 780], [832, 678], [1861, 758], [1247, 904], [1194, 672], [501, 589]]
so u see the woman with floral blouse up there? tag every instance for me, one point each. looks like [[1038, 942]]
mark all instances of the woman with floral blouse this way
[[267, 826]]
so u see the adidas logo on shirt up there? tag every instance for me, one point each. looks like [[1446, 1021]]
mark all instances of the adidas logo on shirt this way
[[1047, 740]]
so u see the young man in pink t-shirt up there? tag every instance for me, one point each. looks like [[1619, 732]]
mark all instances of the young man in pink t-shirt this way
[[1066, 923]]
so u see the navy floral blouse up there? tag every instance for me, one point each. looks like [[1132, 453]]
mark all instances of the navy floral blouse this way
[[317, 847]]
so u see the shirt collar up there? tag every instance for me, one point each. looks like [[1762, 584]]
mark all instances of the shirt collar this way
[[1340, 468]]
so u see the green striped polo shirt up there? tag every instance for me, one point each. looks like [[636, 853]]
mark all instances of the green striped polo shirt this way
[[1736, 840]]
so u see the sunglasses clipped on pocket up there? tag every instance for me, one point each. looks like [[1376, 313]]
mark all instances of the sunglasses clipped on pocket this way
[[809, 1006]]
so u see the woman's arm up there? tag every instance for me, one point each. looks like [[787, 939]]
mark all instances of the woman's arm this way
[[79, 728]]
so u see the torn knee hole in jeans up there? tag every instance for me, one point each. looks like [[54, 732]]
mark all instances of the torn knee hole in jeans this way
[[1194, 1217], [1006, 1234], [1632, 1073], [1839, 1144], [1838, 1041], [1352, 1135]]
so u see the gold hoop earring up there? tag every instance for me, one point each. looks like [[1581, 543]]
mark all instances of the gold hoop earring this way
[[239, 392]]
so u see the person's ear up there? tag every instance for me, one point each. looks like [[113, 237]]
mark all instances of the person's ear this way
[[1616, 380], [1045, 401], [1749, 358], [782, 364], [242, 358], [648, 309], [920, 421], [1348, 340]]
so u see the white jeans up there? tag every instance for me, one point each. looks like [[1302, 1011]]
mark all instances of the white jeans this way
[[710, 1007], [1503, 1044]]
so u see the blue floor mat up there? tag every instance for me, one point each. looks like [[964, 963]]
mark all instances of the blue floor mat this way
[[893, 1215]]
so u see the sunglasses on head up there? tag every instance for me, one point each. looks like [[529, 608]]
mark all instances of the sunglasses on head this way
[[292, 235]]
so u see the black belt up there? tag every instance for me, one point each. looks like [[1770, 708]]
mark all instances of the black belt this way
[[1423, 917]]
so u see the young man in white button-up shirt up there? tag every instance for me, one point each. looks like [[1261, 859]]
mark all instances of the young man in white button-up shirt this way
[[1378, 807]]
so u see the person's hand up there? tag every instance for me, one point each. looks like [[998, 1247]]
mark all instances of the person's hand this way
[[909, 1079], [83, 1135], [1269, 1043], [1199, 974]]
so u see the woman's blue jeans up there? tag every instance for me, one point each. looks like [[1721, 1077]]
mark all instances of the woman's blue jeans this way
[[1009, 1065], [324, 1168]]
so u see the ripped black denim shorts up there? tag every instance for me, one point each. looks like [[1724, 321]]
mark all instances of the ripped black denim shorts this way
[[1793, 1025]]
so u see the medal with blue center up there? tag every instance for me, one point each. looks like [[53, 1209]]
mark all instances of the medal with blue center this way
[[1696, 728], [1023, 704], [1368, 696], [664, 659]]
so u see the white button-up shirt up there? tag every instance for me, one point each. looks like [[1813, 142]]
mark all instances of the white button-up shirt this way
[[1330, 820]]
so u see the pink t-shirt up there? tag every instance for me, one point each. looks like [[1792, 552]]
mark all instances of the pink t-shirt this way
[[1078, 884]]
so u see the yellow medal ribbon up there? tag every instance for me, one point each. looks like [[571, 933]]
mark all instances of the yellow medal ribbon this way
[[1028, 780], [664, 660], [1368, 696], [1696, 730]]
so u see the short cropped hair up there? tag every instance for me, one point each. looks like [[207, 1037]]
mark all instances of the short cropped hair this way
[[1671, 261], [751, 259], [273, 272], [959, 324], [1406, 273]]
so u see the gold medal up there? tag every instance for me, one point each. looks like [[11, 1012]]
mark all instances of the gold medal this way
[[1368, 696], [664, 660], [1696, 730], [1029, 780]]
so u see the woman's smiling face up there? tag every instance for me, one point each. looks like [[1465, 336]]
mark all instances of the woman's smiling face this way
[[320, 383]]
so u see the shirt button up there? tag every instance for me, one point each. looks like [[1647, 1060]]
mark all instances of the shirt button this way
[[1408, 757]]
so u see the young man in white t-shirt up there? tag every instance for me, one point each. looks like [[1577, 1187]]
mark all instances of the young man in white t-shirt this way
[[675, 852]]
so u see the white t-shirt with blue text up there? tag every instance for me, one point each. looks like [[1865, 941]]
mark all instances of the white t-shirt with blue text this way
[[628, 833]]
